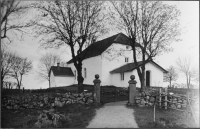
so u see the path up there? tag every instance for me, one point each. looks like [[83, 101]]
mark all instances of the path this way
[[114, 115]]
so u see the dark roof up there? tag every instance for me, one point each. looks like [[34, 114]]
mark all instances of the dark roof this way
[[99, 47], [62, 71], [131, 66]]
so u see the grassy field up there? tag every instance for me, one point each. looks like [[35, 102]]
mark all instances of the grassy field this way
[[80, 116], [172, 118]]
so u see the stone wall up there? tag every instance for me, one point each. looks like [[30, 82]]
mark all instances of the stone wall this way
[[45, 101], [146, 98], [151, 97]]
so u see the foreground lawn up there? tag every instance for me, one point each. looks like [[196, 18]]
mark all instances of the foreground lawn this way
[[172, 118], [79, 115]]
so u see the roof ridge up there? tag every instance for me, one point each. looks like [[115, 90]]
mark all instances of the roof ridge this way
[[97, 48], [61, 66], [108, 38], [117, 37]]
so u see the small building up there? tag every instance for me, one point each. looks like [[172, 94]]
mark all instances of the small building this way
[[153, 75], [61, 76]]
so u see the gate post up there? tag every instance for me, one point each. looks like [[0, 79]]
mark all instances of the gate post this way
[[132, 90], [166, 98], [97, 89]]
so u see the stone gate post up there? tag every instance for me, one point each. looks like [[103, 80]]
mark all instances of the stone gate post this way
[[97, 89], [132, 90]]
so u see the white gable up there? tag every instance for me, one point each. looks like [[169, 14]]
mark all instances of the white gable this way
[[112, 58]]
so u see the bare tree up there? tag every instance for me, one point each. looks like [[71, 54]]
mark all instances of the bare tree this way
[[11, 12], [152, 24], [45, 63], [196, 79], [6, 64], [8, 85], [172, 75], [21, 66], [185, 67], [72, 23]]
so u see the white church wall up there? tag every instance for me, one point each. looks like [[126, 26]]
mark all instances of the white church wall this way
[[93, 66], [113, 58], [73, 70], [64, 81], [156, 75], [117, 81], [52, 79]]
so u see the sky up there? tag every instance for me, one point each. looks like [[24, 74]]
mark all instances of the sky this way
[[188, 46]]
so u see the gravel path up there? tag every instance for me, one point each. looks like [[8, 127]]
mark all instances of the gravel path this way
[[114, 115]]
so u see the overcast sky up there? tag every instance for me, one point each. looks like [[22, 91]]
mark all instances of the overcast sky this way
[[188, 46]]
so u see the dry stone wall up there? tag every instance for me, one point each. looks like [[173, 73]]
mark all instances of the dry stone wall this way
[[146, 98], [45, 101], [151, 97]]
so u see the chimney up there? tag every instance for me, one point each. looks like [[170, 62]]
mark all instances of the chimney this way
[[58, 65]]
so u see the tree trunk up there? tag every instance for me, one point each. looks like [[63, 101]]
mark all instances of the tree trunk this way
[[20, 82], [143, 71], [80, 83], [143, 78], [78, 65], [133, 41], [2, 77], [49, 81], [1, 83], [9, 85], [170, 82], [80, 78], [187, 82]]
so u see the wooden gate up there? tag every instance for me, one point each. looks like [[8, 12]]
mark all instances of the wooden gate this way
[[113, 94]]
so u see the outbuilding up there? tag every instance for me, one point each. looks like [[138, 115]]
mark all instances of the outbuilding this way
[[61, 76]]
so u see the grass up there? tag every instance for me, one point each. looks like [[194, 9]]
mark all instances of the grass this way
[[79, 115], [18, 118], [63, 89], [173, 118]]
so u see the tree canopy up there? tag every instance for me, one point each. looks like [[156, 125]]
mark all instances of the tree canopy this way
[[44, 65], [172, 75], [184, 65], [76, 24], [152, 24], [12, 11]]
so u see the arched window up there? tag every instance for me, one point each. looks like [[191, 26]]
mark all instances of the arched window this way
[[148, 78], [85, 72]]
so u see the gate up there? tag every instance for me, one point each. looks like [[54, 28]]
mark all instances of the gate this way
[[113, 94]]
